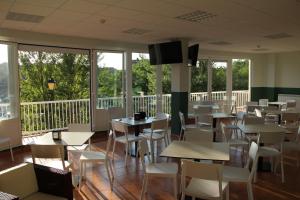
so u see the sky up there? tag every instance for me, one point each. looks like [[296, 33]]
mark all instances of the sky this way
[[3, 53]]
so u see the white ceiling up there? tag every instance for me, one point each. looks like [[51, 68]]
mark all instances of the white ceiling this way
[[242, 23]]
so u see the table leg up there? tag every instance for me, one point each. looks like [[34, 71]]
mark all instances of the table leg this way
[[215, 129], [66, 157], [134, 145]]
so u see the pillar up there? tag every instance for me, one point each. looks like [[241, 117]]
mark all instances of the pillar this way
[[179, 89], [159, 77], [128, 83]]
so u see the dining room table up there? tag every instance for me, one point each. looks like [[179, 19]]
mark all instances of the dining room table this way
[[217, 151], [67, 139]]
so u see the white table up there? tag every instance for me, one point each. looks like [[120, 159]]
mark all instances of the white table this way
[[264, 128], [201, 151]]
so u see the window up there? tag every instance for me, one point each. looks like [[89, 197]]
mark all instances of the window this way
[[219, 76], [8, 85], [240, 74], [110, 79]]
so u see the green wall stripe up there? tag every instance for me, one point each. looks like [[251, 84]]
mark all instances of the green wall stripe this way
[[271, 93]]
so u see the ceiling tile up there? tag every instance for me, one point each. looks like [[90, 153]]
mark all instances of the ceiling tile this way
[[31, 9], [82, 6], [47, 3], [16, 25]]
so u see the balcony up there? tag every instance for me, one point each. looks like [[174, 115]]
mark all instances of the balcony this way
[[37, 117]]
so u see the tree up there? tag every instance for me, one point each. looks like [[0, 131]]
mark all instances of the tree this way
[[240, 74]]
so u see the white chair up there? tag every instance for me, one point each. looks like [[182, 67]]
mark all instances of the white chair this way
[[5, 142], [263, 102], [184, 127], [234, 127], [50, 155], [250, 120], [294, 146], [96, 156], [203, 116], [168, 170], [198, 135], [273, 146], [79, 128], [290, 104], [227, 137], [290, 121], [126, 138], [250, 106], [158, 131], [205, 180], [243, 175]]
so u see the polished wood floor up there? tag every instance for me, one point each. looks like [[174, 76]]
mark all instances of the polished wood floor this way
[[128, 180]]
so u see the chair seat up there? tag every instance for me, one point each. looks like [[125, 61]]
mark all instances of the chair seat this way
[[92, 155], [131, 138], [155, 136], [204, 189], [291, 146], [238, 142], [235, 174], [268, 151], [148, 130], [162, 168], [78, 148]]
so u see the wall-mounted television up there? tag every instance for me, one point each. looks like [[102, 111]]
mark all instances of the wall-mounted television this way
[[193, 55], [165, 53]]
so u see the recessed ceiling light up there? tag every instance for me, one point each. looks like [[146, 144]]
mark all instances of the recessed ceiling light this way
[[24, 17]]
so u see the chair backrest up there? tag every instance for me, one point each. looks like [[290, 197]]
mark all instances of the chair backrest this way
[[161, 115], [48, 152], [143, 150], [198, 135], [240, 116], [289, 118], [79, 127], [251, 103], [263, 102], [200, 170], [226, 134], [252, 158], [291, 104], [203, 114], [160, 124], [271, 138], [248, 120], [257, 112], [182, 121], [119, 127]]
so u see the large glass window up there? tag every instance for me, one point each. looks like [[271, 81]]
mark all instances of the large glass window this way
[[219, 76], [54, 88], [8, 81], [199, 80], [240, 74], [110, 79]]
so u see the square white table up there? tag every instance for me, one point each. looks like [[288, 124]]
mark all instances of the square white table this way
[[264, 128], [197, 150]]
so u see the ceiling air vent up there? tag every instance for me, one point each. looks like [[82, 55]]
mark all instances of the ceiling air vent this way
[[278, 36], [136, 31], [196, 16], [220, 43], [22, 17]]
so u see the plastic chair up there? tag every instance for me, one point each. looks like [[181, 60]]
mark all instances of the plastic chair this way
[[270, 140], [246, 174], [263, 102], [159, 131], [96, 156], [5, 142], [50, 155], [126, 138], [184, 127], [206, 180], [203, 118], [294, 146], [168, 170]]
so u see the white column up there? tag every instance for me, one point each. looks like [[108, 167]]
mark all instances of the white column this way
[[209, 81], [190, 80], [229, 80], [128, 83], [159, 77]]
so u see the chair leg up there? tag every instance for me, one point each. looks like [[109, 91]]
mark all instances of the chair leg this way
[[111, 170], [80, 174], [152, 150], [175, 186], [126, 152], [227, 192], [145, 180], [282, 170], [114, 146], [11, 153], [108, 174], [250, 192]]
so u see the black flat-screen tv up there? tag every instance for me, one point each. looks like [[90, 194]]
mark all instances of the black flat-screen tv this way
[[165, 53], [193, 55]]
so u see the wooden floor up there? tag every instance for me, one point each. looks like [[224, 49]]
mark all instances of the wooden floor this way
[[128, 180]]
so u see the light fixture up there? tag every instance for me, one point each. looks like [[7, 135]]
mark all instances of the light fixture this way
[[51, 84]]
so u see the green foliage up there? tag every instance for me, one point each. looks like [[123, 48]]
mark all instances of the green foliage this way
[[240, 74], [199, 77], [70, 71]]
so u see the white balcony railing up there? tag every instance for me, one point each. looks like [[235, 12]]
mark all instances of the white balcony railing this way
[[53, 115]]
